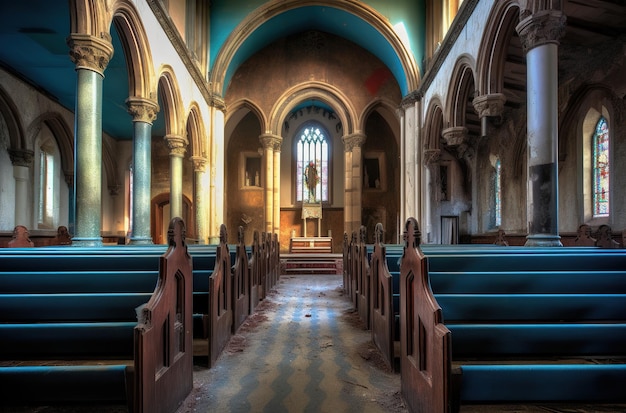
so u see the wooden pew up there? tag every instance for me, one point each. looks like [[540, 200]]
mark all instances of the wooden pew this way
[[362, 291], [539, 325], [220, 301], [241, 284], [88, 346]]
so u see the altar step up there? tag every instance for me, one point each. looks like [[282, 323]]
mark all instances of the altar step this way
[[310, 263]]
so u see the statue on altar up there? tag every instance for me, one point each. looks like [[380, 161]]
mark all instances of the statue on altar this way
[[311, 179]]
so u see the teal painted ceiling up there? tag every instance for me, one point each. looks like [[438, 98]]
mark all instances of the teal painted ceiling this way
[[33, 36], [408, 14]]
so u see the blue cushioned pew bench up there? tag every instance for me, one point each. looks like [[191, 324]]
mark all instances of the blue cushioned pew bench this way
[[523, 327], [99, 341]]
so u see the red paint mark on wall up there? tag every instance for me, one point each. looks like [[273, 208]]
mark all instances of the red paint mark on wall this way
[[378, 78]]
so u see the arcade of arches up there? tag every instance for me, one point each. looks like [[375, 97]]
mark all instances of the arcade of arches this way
[[473, 116]]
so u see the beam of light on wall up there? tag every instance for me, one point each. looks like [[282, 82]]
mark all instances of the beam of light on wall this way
[[400, 30]]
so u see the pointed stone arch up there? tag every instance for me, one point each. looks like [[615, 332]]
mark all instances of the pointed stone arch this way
[[63, 136], [10, 114], [388, 110], [461, 92], [247, 104]]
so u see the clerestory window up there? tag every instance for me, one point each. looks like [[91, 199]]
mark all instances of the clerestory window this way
[[312, 165]]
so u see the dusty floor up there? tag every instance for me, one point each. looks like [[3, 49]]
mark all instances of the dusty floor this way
[[313, 356]]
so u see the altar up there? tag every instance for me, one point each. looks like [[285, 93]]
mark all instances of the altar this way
[[315, 243]]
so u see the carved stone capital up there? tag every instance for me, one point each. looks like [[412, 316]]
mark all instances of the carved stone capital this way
[[431, 156], [21, 157], [89, 52], [541, 27], [269, 141], [454, 136], [142, 110], [176, 144], [199, 163], [356, 140], [217, 102], [410, 99], [489, 105]]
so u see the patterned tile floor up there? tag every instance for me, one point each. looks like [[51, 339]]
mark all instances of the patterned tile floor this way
[[302, 351]]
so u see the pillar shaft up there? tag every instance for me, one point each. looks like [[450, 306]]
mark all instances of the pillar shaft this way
[[354, 183], [201, 191], [540, 33], [271, 180], [177, 145], [91, 55], [276, 188]]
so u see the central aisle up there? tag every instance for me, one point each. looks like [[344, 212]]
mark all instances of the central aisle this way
[[303, 350]]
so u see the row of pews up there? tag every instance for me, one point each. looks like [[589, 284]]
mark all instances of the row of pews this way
[[124, 325], [488, 324]]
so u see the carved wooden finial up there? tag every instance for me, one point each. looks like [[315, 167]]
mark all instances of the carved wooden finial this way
[[378, 233], [240, 235], [256, 237], [176, 232], [362, 234], [412, 234], [223, 234]]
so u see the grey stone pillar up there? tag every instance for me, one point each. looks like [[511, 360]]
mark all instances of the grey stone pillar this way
[[144, 113], [540, 31], [91, 55]]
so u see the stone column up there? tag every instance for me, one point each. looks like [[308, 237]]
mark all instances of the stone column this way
[[90, 55], [71, 216], [217, 179], [177, 146], [430, 160], [540, 31], [200, 192], [144, 113], [22, 159], [269, 142], [411, 204], [277, 146], [347, 193], [353, 144]]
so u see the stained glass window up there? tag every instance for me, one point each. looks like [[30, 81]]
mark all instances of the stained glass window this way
[[312, 175], [601, 169], [498, 193]]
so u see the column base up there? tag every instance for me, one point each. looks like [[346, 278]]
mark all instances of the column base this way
[[87, 242], [543, 240], [140, 241]]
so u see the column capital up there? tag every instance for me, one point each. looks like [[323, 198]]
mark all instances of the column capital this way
[[90, 52], [21, 157], [491, 105], [431, 156], [199, 163], [176, 144], [455, 135], [410, 99], [217, 102], [270, 141], [540, 27], [142, 110], [355, 140]]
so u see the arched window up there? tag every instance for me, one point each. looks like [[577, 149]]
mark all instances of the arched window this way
[[497, 190], [48, 185], [600, 160], [312, 165]]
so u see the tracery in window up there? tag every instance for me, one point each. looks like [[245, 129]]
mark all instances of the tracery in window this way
[[600, 159], [312, 165]]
